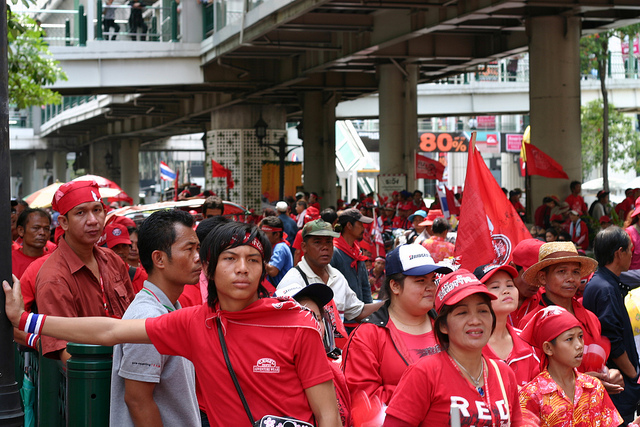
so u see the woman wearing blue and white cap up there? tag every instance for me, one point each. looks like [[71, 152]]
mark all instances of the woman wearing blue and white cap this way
[[401, 331], [458, 386]]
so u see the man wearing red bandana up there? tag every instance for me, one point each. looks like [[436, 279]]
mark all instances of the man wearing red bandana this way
[[281, 259], [80, 278], [347, 257]]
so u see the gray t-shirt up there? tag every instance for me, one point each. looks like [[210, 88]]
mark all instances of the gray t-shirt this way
[[175, 392]]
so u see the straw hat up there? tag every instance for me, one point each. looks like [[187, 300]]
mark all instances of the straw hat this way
[[555, 253]]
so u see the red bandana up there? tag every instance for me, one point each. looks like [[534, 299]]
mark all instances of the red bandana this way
[[352, 251]]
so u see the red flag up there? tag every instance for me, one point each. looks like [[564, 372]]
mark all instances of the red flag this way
[[452, 202], [540, 163], [427, 168], [489, 225], [219, 171]]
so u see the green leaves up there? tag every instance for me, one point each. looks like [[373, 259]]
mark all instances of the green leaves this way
[[31, 66], [624, 141]]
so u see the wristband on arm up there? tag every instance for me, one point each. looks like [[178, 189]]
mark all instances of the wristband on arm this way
[[31, 323]]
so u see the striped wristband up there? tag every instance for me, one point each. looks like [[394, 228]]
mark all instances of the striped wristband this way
[[32, 340], [31, 322]]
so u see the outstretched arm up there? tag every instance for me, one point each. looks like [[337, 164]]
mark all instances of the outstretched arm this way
[[85, 330]]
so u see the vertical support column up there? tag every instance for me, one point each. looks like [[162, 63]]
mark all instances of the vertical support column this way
[[328, 189], [314, 158], [97, 164], [391, 103], [60, 166], [554, 97], [130, 169], [410, 134]]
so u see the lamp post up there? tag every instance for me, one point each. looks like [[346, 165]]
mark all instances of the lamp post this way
[[280, 149]]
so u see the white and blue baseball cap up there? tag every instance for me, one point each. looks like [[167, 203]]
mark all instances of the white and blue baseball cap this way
[[412, 260]]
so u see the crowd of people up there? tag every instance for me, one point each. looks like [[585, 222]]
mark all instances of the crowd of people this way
[[355, 316]]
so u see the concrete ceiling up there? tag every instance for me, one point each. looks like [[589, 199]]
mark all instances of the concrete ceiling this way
[[336, 46]]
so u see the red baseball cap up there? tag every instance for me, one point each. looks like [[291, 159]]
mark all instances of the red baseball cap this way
[[116, 234], [604, 218], [484, 272], [526, 253], [636, 211], [127, 222], [73, 193], [456, 286]]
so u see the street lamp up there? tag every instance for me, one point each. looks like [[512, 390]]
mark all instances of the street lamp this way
[[261, 129], [47, 166]]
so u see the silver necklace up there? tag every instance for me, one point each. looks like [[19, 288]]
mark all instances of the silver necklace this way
[[475, 381]]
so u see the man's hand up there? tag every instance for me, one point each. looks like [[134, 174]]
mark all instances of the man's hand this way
[[611, 380], [14, 305]]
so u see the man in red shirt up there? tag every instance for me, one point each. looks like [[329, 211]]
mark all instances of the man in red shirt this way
[[575, 200], [79, 278], [33, 227]]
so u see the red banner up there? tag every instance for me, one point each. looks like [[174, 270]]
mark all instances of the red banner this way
[[427, 168], [540, 163], [219, 171]]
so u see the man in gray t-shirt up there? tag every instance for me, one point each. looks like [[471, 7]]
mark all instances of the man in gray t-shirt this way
[[148, 388]]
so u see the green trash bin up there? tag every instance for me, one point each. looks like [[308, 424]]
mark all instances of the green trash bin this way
[[88, 385]]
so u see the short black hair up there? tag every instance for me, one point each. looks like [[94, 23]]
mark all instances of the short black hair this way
[[547, 199], [440, 225], [157, 233], [607, 242], [442, 338], [302, 202], [23, 219], [329, 215], [212, 202], [206, 225], [273, 221], [386, 286], [552, 231], [574, 184], [227, 236], [418, 191]]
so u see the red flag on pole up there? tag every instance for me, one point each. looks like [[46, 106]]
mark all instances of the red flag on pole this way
[[427, 168], [540, 163], [219, 171], [489, 226]]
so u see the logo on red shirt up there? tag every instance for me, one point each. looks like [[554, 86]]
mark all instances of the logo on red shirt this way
[[266, 366]]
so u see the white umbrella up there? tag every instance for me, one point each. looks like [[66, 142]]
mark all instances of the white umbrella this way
[[596, 184]]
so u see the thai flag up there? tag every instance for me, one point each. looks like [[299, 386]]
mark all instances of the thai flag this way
[[166, 173]]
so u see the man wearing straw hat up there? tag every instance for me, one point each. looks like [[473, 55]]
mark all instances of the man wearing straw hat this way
[[79, 278]]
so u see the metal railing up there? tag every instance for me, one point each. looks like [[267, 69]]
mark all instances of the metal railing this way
[[70, 27], [68, 102], [516, 69], [217, 14]]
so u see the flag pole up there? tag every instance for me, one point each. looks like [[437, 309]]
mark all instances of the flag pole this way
[[175, 185]]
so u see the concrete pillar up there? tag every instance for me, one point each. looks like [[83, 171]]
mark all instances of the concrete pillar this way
[[319, 123], [130, 169], [232, 142], [392, 122], [398, 106], [60, 166], [328, 188], [97, 164], [190, 19], [554, 96], [313, 142], [411, 125]]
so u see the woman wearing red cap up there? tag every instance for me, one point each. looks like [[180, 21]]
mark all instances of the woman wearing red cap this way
[[505, 343], [560, 395], [400, 332], [458, 385]]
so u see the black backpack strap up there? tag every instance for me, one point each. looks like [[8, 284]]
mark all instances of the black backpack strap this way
[[223, 344], [132, 273], [304, 276]]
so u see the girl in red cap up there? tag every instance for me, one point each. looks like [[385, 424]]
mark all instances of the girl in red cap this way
[[458, 386], [560, 395]]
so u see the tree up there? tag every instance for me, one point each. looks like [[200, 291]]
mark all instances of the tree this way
[[31, 66], [595, 54], [623, 140]]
